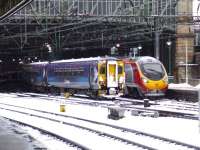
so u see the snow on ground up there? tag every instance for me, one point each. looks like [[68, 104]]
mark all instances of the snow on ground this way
[[198, 86], [175, 128], [183, 86], [180, 85]]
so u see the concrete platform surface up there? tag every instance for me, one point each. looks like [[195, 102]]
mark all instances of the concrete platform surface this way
[[14, 138]]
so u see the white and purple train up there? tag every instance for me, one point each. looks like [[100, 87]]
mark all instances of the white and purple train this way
[[98, 76]]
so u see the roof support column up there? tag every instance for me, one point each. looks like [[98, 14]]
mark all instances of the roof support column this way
[[184, 41]]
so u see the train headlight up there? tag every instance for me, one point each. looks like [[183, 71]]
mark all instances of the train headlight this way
[[101, 79], [144, 80]]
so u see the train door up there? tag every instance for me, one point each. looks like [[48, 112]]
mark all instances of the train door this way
[[44, 75], [129, 78], [112, 74], [121, 74], [93, 77]]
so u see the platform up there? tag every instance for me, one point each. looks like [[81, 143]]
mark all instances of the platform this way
[[187, 94], [14, 138]]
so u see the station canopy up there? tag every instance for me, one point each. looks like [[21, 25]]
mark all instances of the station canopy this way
[[9, 7]]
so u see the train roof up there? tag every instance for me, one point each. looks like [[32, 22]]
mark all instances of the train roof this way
[[75, 60], [142, 59], [85, 59], [39, 63]]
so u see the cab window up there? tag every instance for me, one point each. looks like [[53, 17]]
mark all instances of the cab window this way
[[129, 73], [120, 69]]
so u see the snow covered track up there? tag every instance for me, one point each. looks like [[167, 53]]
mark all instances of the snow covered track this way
[[159, 107], [189, 94], [69, 142], [71, 100], [115, 136], [66, 140], [164, 107], [100, 134]]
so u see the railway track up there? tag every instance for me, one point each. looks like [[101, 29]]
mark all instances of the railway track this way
[[182, 106], [70, 143], [70, 100], [185, 105], [116, 136], [162, 107]]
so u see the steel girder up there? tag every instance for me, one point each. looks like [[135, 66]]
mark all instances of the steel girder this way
[[86, 24]]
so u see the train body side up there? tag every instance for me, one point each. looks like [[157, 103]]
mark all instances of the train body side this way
[[70, 75], [95, 76], [145, 77], [35, 74]]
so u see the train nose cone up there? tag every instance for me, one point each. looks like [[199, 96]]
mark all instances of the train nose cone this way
[[157, 85]]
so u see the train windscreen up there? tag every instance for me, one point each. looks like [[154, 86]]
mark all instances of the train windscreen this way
[[153, 71]]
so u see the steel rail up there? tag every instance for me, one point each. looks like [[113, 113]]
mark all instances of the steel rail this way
[[66, 140], [161, 112], [99, 133], [113, 126]]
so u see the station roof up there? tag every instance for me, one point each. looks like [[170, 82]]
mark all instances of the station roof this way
[[9, 7]]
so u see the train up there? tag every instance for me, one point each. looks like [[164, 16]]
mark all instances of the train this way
[[97, 76], [145, 77], [139, 77]]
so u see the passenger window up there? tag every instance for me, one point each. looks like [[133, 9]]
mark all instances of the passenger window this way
[[129, 73], [102, 70], [120, 69]]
